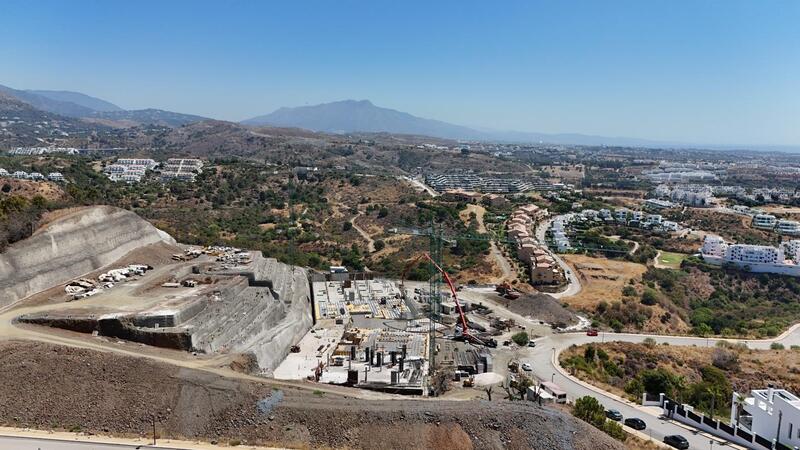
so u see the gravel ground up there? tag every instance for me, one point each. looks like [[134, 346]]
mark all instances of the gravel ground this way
[[60, 388], [539, 306]]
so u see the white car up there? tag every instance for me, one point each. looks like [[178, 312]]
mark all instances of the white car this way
[[526, 367]]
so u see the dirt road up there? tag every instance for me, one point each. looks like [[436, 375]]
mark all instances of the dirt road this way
[[363, 233]]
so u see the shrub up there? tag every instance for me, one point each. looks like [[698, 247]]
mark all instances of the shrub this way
[[776, 346], [649, 297], [520, 338], [588, 409], [588, 354], [649, 342], [725, 359], [614, 430], [629, 291]]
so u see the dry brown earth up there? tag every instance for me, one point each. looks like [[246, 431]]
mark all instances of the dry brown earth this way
[[62, 388]]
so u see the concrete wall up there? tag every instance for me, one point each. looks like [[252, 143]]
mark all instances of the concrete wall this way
[[263, 315], [70, 247]]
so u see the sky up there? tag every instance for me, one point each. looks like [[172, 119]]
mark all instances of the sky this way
[[706, 72]]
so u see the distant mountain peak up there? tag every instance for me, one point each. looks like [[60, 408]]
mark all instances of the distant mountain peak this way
[[345, 116]]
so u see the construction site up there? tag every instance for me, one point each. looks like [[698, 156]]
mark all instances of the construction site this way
[[134, 306], [237, 307]]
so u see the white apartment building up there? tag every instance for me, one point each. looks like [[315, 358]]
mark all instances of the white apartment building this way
[[771, 413], [3, 172], [755, 258], [669, 225], [654, 219], [621, 214], [149, 164], [765, 221], [749, 254], [788, 227], [55, 176], [792, 250]]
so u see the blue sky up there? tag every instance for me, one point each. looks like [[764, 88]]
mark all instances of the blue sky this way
[[701, 71]]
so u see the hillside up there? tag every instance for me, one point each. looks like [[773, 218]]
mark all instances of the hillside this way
[[77, 98], [100, 392], [22, 124], [148, 116], [59, 251], [47, 104], [352, 116]]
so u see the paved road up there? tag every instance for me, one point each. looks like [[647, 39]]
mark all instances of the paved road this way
[[543, 357], [24, 443], [574, 286]]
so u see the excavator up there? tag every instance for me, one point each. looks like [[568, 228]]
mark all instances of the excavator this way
[[507, 291]]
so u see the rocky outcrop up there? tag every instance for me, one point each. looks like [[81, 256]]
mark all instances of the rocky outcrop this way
[[71, 246]]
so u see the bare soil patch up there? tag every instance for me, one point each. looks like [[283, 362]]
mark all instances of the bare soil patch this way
[[105, 393], [602, 279]]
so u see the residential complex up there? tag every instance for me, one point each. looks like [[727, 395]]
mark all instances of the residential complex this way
[[469, 181], [543, 267], [34, 151], [765, 221], [34, 176], [129, 170], [181, 169], [754, 258], [780, 226], [691, 195]]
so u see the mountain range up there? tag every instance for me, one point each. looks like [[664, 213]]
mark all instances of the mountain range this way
[[346, 116], [349, 116], [78, 105]]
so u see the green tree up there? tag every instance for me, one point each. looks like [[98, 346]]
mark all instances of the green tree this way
[[589, 353], [520, 338]]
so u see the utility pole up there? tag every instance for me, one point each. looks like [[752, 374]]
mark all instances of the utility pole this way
[[153, 416]]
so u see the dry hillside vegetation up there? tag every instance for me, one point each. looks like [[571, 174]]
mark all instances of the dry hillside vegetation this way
[[731, 227], [617, 363], [601, 279]]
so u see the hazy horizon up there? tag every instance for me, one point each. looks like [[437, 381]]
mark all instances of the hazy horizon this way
[[711, 73]]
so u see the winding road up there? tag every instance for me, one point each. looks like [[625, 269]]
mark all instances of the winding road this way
[[543, 359]]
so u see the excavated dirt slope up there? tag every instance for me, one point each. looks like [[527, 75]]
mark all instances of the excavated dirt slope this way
[[53, 387], [70, 246]]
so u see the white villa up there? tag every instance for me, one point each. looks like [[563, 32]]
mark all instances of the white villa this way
[[771, 413]]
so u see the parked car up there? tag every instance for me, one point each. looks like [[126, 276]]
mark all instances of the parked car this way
[[613, 414], [635, 423], [531, 344], [591, 332], [526, 367], [677, 441]]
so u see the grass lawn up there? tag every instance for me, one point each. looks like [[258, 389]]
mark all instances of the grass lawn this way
[[671, 260]]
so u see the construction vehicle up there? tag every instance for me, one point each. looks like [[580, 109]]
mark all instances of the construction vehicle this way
[[502, 288], [469, 381], [463, 332]]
